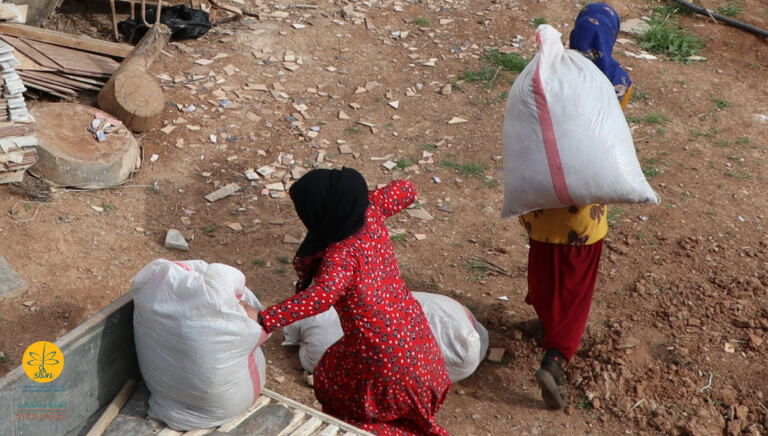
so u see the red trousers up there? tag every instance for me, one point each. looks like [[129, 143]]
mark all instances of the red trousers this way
[[561, 281]]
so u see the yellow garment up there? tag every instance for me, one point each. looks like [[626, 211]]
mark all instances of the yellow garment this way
[[570, 225]]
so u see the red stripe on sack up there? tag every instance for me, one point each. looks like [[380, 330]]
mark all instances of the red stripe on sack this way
[[550, 141], [184, 266], [471, 318], [255, 377]]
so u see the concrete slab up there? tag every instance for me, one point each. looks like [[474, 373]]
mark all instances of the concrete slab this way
[[69, 155], [10, 281]]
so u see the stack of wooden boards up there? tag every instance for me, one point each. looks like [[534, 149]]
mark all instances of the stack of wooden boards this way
[[17, 129], [60, 64]]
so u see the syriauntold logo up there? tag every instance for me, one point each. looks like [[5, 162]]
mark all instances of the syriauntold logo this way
[[43, 361]]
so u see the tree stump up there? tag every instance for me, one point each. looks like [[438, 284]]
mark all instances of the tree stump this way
[[131, 94]]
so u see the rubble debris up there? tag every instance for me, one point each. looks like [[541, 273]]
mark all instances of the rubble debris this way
[[174, 240], [17, 128], [224, 192]]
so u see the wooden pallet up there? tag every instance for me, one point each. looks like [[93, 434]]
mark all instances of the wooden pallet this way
[[271, 415]]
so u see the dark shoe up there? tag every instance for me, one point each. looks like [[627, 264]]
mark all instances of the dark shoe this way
[[549, 378]]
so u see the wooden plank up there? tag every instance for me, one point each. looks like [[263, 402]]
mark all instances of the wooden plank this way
[[64, 39], [310, 411], [296, 421], [331, 430], [50, 88], [112, 409], [76, 60], [308, 427], [21, 46], [83, 79], [58, 79], [261, 402]]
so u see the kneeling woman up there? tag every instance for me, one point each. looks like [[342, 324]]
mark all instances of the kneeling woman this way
[[386, 374]]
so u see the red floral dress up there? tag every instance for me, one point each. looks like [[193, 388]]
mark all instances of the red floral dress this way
[[386, 374]]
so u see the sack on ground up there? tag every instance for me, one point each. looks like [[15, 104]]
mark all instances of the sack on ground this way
[[566, 140], [197, 348], [461, 338]]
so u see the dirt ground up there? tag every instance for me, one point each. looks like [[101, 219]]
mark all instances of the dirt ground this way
[[676, 341]]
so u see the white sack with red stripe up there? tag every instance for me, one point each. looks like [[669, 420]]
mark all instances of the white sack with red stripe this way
[[566, 140], [198, 351], [461, 338]]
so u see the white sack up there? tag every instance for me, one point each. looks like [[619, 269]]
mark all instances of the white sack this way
[[566, 141], [461, 338], [196, 346]]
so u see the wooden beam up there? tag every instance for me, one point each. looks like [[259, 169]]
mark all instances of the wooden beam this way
[[112, 409], [67, 40]]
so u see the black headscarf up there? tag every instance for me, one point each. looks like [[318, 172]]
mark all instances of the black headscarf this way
[[331, 204]]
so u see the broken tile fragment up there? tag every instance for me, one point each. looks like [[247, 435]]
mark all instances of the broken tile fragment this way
[[174, 240], [224, 192]]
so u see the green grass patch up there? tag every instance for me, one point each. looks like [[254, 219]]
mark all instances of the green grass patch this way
[[428, 147], [209, 230], [109, 207], [649, 118], [465, 169], [743, 140], [422, 22], [730, 9], [649, 168], [723, 144], [664, 37], [536, 22], [720, 103], [638, 95], [285, 260], [511, 62], [397, 238], [259, 262], [352, 130]]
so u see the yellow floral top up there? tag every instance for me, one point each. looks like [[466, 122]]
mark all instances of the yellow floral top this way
[[570, 225]]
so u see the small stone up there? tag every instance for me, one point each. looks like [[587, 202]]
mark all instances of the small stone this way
[[495, 355], [280, 379], [174, 240], [395, 104], [457, 120], [29, 303], [235, 227], [420, 214], [251, 175], [288, 239], [310, 379], [224, 192], [420, 236], [446, 90], [389, 165], [627, 342], [345, 149]]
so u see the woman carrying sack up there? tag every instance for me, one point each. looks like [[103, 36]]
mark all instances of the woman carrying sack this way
[[566, 243]]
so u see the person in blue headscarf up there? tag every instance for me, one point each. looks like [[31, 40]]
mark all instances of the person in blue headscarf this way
[[594, 34], [566, 243]]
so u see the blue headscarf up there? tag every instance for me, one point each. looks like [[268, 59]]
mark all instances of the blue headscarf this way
[[594, 34]]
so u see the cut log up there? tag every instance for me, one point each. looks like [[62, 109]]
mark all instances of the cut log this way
[[69, 155], [131, 94]]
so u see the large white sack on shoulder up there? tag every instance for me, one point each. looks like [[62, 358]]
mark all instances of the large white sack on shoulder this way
[[314, 336], [462, 339], [566, 140], [195, 344]]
